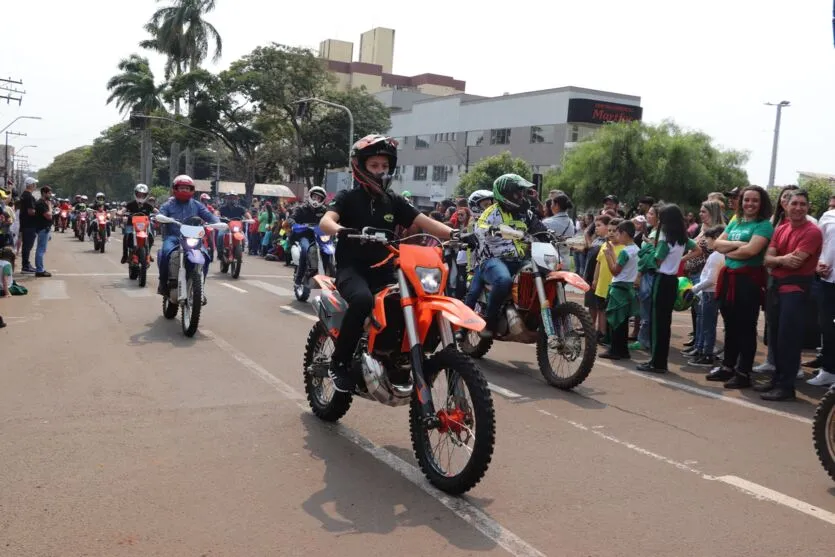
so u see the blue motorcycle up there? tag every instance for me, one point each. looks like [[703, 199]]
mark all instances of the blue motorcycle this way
[[186, 280], [320, 257]]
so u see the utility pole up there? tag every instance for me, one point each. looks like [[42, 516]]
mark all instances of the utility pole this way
[[9, 85], [6, 158], [780, 107]]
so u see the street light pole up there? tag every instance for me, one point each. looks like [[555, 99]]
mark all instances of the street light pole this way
[[350, 120], [6, 156], [773, 171], [20, 118]]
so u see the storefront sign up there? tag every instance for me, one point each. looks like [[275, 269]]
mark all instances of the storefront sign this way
[[588, 111]]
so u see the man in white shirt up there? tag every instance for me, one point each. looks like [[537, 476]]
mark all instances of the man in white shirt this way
[[826, 301]]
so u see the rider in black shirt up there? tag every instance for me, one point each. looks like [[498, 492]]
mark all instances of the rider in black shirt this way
[[369, 203], [310, 212], [139, 205]]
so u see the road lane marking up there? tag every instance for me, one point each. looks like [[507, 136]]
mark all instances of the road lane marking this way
[[507, 393], [762, 492], [271, 288], [53, 290], [139, 292], [709, 394], [88, 274], [463, 509], [240, 357], [227, 285], [294, 311], [755, 490]]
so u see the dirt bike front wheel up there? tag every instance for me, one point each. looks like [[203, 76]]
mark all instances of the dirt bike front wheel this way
[[566, 359], [823, 432], [454, 452]]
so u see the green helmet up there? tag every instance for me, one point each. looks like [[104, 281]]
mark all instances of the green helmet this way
[[407, 194], [510, 191]]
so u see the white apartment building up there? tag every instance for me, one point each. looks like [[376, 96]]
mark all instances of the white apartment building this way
[[440, 137]]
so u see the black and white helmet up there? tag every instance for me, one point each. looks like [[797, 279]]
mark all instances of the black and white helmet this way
[[100, 197], [475, 199], [316, 196], [140, 193]]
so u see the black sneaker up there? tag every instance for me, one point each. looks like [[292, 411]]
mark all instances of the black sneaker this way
[[690, 352], [2, 323], [43, 274], [702, 360], [341, 377], [124, 259], [28, 270], [162, 290]]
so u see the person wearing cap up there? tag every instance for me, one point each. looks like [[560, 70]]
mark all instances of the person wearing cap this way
[[733, 204], [610, 203], [28, 232], [43, 222]]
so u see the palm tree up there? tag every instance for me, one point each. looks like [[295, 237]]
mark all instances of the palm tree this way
[[181, 34], [134, 90]]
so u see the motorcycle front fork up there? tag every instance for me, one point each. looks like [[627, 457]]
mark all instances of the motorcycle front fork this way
[[545, 305]]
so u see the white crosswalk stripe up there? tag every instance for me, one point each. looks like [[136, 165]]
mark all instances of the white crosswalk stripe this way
[[271, 288]]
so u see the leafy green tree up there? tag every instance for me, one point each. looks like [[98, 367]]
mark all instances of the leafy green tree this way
[[161, 193], [324, 130], [134, 90], [820, 190], [485, 171], [635, 159]]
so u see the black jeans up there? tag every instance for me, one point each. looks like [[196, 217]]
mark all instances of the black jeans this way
[[663, 301], [740, 316], [29, 235], [786, 321], [826, 321], [356, 285]]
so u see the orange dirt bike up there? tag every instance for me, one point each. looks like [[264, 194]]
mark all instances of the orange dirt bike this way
[[139, 253], [538, 312], [407, 355]]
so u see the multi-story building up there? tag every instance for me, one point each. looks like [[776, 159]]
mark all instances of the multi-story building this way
[[442, 137], [374, 68]]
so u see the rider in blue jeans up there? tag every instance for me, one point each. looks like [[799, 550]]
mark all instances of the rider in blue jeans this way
[[502, 258], [310, 213], [181, 207]]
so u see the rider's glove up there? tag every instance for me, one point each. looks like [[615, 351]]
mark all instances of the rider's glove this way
[[455, 235]]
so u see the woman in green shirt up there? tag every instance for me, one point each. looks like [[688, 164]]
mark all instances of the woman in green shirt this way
[[266, 218], [741, 285]]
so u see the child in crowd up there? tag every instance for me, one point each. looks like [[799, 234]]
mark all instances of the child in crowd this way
[[622, 302], [7, 260], [708, 304], [594, 243], [603, 278]]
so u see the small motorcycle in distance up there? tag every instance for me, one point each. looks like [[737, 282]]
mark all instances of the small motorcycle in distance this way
[[81, 225], [63, 220], [231, 253], [186, 282], [100, 232], [320, 258], [139, 256]]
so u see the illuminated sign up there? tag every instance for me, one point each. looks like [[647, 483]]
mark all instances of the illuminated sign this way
[[588, 111]]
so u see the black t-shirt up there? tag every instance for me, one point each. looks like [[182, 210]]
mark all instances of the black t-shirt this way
[[307, 214], [27, 201], [41, 208], [357, 209], [134, 208], [233, 212]]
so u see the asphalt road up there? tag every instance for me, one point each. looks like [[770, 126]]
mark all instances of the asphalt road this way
[[118, 436]]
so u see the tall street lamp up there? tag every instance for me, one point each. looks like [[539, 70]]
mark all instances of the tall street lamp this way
[[780, 107], [302, 109], [20, 118], [6, 154]]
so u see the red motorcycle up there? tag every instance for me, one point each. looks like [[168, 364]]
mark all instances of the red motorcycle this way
[[81, 225], [231, 255], [139, 254], [100, 232], [63, 219]]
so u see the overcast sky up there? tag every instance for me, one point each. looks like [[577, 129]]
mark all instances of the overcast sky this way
[[708, 65]]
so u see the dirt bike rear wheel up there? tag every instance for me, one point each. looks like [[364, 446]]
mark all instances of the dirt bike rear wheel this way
[[823, 432], [169, 309], [458, 422], [326, 407], [587, 355], [190, 316]]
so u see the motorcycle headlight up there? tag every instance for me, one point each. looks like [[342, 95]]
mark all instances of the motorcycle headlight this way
[[325, 238], [430, 279], [236, 229], [551, 261], [192, 242]]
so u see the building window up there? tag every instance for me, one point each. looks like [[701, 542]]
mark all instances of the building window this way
[[500, 136], [423, 141], [542, 134], [475, 138], [419, 174], [440, 173], [574, 134], [454, 136], [400, 143]]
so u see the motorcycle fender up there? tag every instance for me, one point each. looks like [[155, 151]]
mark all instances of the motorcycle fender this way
[[196, 257], [238, 236], [568, 277], [453, 309], [141, 234]]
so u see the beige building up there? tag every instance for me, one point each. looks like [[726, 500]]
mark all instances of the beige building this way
[[374, 68]]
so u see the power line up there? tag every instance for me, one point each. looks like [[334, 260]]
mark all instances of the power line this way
[[12, 90]]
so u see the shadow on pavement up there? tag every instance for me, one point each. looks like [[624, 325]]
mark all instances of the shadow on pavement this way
[[530, 384], [369, 497], [165, 331]]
